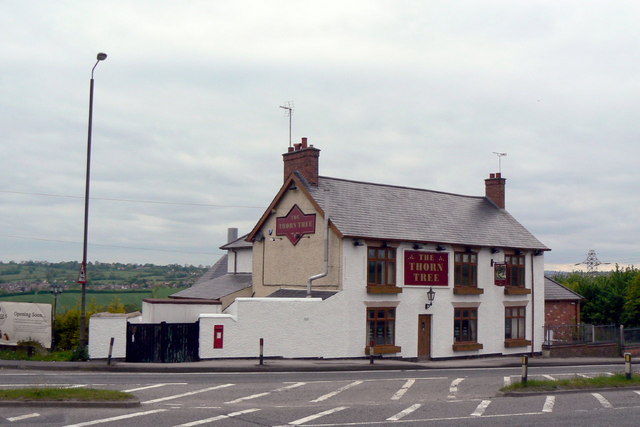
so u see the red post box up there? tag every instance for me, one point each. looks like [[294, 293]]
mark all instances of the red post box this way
[[218, 335]]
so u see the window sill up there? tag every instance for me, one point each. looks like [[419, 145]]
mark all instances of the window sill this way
[[467, 290], [467, 346], [510, 343], [514, 290], [383, 289], [382, 349]]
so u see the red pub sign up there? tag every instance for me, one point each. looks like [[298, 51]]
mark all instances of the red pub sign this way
[[426, 268], [295, 225]]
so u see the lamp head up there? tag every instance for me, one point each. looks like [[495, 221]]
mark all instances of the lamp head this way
[[101, 56]]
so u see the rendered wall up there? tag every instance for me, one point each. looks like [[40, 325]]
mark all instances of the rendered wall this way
[[277, 262], [101, 329], [175, 312]]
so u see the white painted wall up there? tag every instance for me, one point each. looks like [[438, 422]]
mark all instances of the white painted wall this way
[[101, 329], [175, 312], [239, 260], [336, 327]]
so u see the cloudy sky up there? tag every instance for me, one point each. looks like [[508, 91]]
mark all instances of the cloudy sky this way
[[188, 133]]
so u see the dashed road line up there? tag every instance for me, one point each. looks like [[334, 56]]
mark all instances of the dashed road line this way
[[338, 391], [548, 404], [584, 375], [217, 418], [404, 413], [548, 377], [481, 408], [131, 390], [453, 388], [318, 415], [255, 396], [604, 402], [23, 417], [177, 396], [118, 418], [398, 395]]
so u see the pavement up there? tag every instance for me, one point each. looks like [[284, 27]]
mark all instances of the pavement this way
[[308, 365]]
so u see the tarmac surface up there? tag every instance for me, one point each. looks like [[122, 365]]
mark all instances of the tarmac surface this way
[[306, 365], [278, 365]]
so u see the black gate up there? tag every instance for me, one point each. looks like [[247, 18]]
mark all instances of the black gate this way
[[164, 342]]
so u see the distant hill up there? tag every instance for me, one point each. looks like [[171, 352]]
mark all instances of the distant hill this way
[[38, 275]]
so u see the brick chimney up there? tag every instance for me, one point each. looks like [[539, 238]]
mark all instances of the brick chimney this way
[[494, 189], [304, 159]]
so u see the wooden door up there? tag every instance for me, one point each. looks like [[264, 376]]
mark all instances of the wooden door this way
[[424, 336]]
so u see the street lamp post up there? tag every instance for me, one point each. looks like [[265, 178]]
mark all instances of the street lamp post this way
[[82, 277], [56, 289]]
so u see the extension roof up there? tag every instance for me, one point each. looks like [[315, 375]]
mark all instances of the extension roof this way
[[554, 291], [216, 283], [387, 212]]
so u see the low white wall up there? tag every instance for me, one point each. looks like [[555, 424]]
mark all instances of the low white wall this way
[[290, 327], [174, 312], [101, 329]]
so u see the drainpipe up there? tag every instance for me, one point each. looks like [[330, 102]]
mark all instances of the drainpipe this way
[[326, 256], [533, 306]]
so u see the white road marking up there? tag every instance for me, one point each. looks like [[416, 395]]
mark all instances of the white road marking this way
[[507, 381], [584, 375], [118, 418], [296, 385], [404, 413], [636, 392], [549, 377], [218, 418], [549, 403], [255, 396], [481, 408], [177, 396], [453, 388], [403, 389], [23, 417], [338, 391], [318, 415], [604, 402], [146, 387]]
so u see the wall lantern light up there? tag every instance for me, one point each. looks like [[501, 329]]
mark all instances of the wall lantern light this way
[[431, 295], [417, 246], [357, 242], [440, 248], [495, 250]]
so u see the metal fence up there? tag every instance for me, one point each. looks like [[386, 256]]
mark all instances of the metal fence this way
[[582, 334]]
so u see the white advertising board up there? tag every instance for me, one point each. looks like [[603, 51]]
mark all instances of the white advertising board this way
[[21, 321]]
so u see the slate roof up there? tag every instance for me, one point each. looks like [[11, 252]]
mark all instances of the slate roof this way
[[216, 283], [239, 243], [554, 291], [387, 212]]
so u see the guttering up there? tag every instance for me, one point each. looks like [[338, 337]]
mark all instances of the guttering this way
[[326, 256]]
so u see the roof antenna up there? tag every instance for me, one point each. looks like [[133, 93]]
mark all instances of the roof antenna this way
[[500, 156], [289, 112]]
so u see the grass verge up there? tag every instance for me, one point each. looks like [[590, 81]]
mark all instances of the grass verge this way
[[575, 383], [56, 356], [54, 393]]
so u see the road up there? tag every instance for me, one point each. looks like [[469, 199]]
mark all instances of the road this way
[[442, 397]]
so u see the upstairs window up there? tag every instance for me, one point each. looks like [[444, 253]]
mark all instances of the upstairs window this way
[[466, 269], [515, 270], [382, 266]]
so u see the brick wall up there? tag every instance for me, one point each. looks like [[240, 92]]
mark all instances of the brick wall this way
[[561, 313]]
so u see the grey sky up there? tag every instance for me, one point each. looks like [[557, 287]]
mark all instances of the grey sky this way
[[414, 93]]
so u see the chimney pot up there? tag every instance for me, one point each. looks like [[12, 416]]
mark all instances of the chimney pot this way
[[304, 142]]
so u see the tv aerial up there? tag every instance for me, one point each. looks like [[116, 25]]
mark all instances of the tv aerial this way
[[288, 107], [500, 156]]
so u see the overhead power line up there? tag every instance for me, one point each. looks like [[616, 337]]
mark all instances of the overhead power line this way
[[158, 202], [112, 246]]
